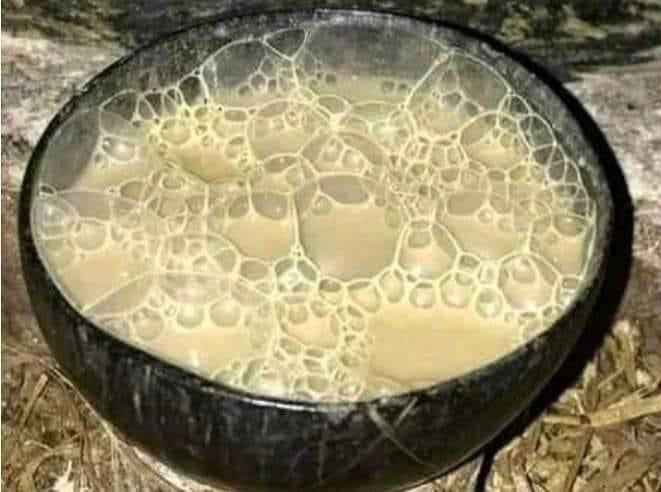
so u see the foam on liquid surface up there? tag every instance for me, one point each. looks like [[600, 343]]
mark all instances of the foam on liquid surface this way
[[298, 228]]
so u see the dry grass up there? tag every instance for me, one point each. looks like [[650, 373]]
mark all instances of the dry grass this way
[[601, 434]]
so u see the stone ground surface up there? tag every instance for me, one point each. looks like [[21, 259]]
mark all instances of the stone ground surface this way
[[601, 432]]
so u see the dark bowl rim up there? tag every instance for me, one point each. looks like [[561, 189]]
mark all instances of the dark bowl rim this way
[[185, 377]]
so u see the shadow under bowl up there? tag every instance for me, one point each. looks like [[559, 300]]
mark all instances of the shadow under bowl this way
[[251, 442]]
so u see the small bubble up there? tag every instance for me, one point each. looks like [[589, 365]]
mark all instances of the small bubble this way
[[61, 251], [147, 324], [469, 262], [190, 316], [457, 290], [293, 118], [423, 296], [90, 235], [121, 150], [550, 313], [319, 308], [393, 218], [350, 360], [331, 290], [486, 216], [487, 274], [332, 150], [225, 312], [298, 314], [272, 86], [173, 182], [291, 346], [253, 270], [239, 207], [175, 131], [489, 303], [352, 160], [365, 295], [419, 239], [523, 270], [295, 177], [392, 286], [530, 325], [321, 205], [313, 365], [568, 225]]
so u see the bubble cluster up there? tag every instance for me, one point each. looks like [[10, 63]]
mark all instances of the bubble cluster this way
[[299, 218]]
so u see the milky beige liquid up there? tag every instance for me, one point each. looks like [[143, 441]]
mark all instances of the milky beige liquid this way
[[327, 236]]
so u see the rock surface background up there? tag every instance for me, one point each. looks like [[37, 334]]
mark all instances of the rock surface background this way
[[603, 432]]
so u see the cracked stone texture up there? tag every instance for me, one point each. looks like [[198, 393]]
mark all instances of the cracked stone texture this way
[[608, 53]]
